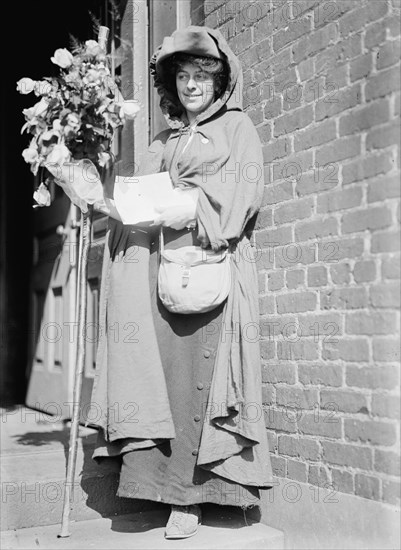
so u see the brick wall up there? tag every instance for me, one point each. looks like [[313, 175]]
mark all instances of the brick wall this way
[[322, 87]]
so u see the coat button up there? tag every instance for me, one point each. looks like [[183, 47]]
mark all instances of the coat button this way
[[200, 386], [206, 353], [197, 418], [194, 452]]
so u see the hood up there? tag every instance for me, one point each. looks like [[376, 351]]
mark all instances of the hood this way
[[197, 41]]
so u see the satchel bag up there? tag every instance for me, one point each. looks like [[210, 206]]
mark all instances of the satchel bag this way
[[192, 279]]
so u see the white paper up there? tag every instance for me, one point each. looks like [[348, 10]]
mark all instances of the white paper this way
[[136, 198]]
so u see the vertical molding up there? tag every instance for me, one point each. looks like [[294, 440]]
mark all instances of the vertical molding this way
[[183, 13]]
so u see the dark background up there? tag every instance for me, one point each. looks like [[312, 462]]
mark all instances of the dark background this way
[[35, 30]]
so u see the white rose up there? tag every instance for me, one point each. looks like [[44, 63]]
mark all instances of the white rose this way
[[38, 109], [63, 58], [30, 155], [25, 85], [42, 196], [129, 109], [92, 47], [58, 155], [42, 87]]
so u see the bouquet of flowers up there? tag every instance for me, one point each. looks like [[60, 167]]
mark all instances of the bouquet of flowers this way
[[73, 123]]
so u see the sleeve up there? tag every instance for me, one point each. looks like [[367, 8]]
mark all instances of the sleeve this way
[[231, 193]]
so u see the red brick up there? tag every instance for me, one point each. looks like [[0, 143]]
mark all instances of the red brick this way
[[371, 322], [326, 375], [371, 218], [343, 481], [324, 13], [292, 32], [372, 377], [386, 405], [294, 166], [278, 149], [391, 492], [384, 188], [266, 305], [385, 295], [318, 475], [347, 349], [262, 281], [305, 448], [388, 55], [314, 89], [361, 67], [316, 229], [306, 350], [273, 108], [298, 398], [340, 273], [296, 470], [296, 302], [322, 133], [365, 117], [241, 41], [388, 241], [370, 431], [278, 193], [314, 42], [344, 401], [323, 178], [267, 350], [283, 373], [336, 78], [279, 466], [296, 120], [273, 440], [338, 54], [276, 420], [343, 454], [391, 268], [386, 349], [337, 250], [333, 104], [256, 115], [268, 395], [367, 167], [384, 136], [295, 278], [307, 424], [364, 271], [382, 84], [387, 462], [306, 69], [295, 210], [275, 281], [367, 486], [339, 200], [320, 325], [274, 237], [338, 150], [317, 276], [358, 19], [265, 133], [264, 219], [294, 254]]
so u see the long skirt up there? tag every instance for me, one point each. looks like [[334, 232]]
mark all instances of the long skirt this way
[[168, 472]]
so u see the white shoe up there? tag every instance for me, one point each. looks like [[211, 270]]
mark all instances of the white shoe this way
[[183, 521]]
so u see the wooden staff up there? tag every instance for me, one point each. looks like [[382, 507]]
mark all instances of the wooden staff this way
[[84, 249]]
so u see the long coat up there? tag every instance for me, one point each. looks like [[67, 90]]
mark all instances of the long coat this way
[[223, 159]]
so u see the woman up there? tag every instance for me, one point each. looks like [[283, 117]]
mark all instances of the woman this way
[[179, 396]]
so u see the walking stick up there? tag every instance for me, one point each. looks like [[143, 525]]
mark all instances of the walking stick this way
[[86, 223], [85, 241]]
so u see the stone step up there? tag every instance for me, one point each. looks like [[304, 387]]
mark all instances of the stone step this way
[[145, 530], [34, 451]]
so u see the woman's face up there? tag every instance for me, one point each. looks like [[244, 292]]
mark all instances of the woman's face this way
[[195, 88]]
